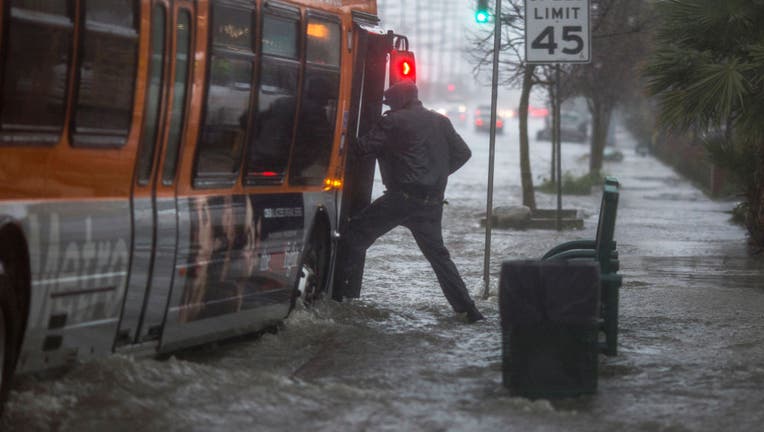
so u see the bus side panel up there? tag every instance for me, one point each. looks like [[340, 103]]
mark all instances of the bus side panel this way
[[143, 224], [154, 258], [237, 264], [79, 254], [163, 268]]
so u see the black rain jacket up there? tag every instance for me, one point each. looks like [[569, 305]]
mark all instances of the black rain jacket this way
[[417, 149]]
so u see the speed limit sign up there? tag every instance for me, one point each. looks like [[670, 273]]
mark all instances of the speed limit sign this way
[[557, 31]]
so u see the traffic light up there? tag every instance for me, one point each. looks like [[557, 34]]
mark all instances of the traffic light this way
[[481, 13], [402, 66]]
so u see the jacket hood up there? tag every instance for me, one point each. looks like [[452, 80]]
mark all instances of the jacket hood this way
[[401, 94]]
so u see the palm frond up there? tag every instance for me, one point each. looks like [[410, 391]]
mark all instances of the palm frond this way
[[718, 89]]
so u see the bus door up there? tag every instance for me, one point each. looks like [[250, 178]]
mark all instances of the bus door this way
[[154, 211], [370, 65]]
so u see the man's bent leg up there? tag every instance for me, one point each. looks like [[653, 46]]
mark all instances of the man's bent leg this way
[[426, 228]]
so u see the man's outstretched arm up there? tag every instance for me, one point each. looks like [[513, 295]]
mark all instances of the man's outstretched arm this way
[[373, 143]]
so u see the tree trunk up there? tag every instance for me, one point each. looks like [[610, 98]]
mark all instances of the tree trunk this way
[[757, 231], [526, 177], [601, 112]]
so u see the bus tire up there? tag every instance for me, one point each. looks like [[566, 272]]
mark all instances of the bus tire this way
[[8, 336], [312, 281]]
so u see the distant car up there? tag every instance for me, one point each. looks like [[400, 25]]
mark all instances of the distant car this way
[[457, 113], [538, 111], [611, 154], [643, 149], [572, 128], [483, 120]]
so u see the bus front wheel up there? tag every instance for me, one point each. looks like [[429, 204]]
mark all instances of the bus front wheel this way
[[313, 277]]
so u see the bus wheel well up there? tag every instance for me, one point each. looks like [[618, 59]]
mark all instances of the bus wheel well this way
[[14, 301], [321, 224], [14, 257]]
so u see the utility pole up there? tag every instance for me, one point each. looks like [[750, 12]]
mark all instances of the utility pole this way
[[492, 148], [445, 9]]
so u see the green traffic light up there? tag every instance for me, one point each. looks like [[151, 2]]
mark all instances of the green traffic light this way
[[481, 16], [481, 12]]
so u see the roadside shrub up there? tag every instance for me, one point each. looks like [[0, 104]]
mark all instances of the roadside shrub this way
[[572, 185]]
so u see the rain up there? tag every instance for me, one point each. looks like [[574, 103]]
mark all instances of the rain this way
[[690, 343]]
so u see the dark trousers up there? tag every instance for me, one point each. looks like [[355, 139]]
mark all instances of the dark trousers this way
[[422, 216]]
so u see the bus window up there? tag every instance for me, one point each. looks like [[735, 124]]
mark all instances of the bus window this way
[[280, 36], [183, 38], [318, 109], [268, 154], [104, 106], [232, 28], [37, 59], [227, 99], [153, 96], [323, 43]]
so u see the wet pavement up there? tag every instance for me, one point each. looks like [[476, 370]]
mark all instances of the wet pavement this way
[[691, 345]]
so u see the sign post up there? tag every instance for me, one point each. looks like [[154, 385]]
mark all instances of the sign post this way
[[557, 31], [492, 148]]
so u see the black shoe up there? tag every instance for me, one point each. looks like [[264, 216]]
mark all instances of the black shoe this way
[[474, 315]]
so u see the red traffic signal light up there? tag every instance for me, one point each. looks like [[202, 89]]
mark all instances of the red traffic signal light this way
[[402, 66]]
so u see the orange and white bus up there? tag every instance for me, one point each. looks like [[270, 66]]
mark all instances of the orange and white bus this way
[[174, 172]]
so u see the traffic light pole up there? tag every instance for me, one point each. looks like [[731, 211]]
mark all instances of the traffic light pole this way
[[492, 149]]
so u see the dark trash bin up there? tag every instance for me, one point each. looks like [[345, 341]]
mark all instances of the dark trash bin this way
[[549, 313]]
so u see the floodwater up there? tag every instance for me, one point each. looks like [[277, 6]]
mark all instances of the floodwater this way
[[691, 346]]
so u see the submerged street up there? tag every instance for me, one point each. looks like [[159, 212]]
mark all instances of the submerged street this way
[[691, 345]]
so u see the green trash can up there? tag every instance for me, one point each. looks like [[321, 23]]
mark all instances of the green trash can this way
[[549, 319]]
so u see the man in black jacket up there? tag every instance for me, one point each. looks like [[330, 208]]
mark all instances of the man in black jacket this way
[[417, 149]]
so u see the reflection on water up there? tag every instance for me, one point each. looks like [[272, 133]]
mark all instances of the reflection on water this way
[[691, 344]]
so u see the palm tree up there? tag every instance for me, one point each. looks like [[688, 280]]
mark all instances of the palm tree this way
[[707, 72]]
